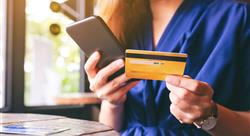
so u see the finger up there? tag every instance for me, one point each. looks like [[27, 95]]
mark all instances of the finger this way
[[103, 75], [195, 86], [180, 115], [183, 105], [112, 86], [185, 95], [186, 107], [195, 112], [174, 99], [90, 65], [198, 106], [117, 96], [110, 69]]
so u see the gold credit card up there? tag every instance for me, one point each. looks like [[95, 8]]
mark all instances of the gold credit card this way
[[153, 65]]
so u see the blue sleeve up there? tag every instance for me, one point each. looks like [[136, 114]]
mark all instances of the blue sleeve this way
[[245, 64], [241, 97]]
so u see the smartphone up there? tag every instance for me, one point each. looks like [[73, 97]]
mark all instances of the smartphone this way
[[92, 34]]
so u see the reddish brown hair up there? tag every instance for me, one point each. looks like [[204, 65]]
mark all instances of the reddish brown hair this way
[[126, 18]]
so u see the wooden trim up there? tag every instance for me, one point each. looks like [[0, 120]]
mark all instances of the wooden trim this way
[[80, 99]]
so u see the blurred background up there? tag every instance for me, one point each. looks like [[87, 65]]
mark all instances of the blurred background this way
[[41, 68]]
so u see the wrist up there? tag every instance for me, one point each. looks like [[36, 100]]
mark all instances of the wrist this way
[[111, 105], [211, 121]]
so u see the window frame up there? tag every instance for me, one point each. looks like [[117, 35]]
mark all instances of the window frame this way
[[3, 31], [15, 57]]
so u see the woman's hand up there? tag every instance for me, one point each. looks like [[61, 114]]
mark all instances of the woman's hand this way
[[191, 99], [112, 91]]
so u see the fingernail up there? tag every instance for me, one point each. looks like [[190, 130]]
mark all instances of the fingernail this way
[[169, 78], [172, 80], [187, 76], [95, 53], [120, 62]]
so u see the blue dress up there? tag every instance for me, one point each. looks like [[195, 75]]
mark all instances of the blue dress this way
[[216, 36]]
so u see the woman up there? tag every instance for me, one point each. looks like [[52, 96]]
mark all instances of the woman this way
[[215, 97]]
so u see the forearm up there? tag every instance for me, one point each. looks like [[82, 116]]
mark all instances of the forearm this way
[[111, 115], [231, 123]]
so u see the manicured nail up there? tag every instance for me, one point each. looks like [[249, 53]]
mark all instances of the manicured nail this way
[[169, 78], [119, 62], [187, 76], [95, 53], [172, 80]]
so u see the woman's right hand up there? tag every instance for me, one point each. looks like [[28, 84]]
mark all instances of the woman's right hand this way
[[113, 91]]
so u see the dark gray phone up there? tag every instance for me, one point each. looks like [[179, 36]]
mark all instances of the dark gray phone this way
[[92, 34]]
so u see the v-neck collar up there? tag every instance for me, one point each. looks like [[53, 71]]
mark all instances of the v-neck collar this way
[[170, 26]]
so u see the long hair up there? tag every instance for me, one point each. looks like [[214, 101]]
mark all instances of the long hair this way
[[126, 18]]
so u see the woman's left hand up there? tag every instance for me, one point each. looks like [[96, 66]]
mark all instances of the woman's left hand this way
[[191, 99]]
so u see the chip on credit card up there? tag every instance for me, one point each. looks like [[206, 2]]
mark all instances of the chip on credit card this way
[[153, 65]]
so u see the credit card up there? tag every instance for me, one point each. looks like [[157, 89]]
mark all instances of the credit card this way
[[153, 65]]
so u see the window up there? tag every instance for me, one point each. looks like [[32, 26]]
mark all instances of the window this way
[[25, 30], [2, 52], [52, 60]]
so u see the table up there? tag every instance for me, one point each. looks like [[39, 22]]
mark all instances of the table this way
[[74, 127]]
